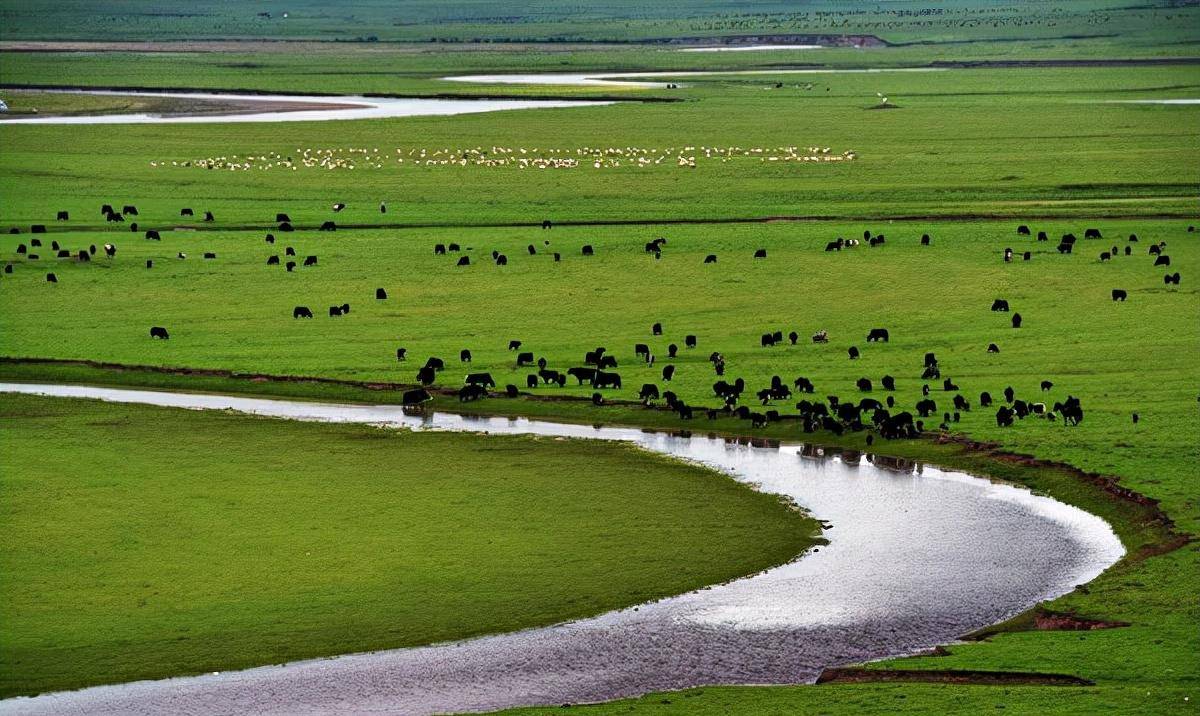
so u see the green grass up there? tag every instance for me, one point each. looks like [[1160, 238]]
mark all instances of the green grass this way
[[971, 153], [133, 549]]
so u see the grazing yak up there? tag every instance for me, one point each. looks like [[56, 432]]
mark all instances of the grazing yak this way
[[501, 260], [1022, 230], [484, 379], [803, 385], [51, 278], [290, 266], [1092, 234], [1000, 304], [710, 259], [209, 255], [607, 380], [760, 254], [985, 399], [380, 294], [888, 382], [310, 260], [1119, 294], [668, 372], [426, 376], [1162, 260], [471, 392], [289, 251], [281, 218], [63, 216], [1171, 278], [690, 341], [110, 250], [415, 397], [511, 391], [524, 359], [588, 250], [648, 392], [583, 375], [129, 209], [641, 350], [1016, 320], [186, 211], [821, 336], [672, 350], [302, 312], [153, 235], [877, 334], [435, 363], [514, 345], [208, 216], [464, 261], [149, 263], [328, 226], [853, 353], [159, 332], [285, 227], [656, 329], [464, 356], [401, 354], [993, 348], [864, 384]]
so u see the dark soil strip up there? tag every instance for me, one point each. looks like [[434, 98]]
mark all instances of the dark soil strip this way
[[648, 222], [931, 676]]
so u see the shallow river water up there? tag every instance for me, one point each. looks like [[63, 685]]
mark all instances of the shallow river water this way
[[917, 557]]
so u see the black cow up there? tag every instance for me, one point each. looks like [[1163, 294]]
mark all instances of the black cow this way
[[588, 250], [926, 407], [401, 354], [960, 403], [760, 254], [1000, 304], [1105, 256], [186, 212], [803, 385], [63, 216], [159, 332], [767, 340], [531, 249], [453, 248], [426, 376], [876, 241], [1004, 417], [114, 218], [464, 261], [51, 278], [290, 266], [310, 260], [484, 379], [853, 353], [153, 235], [524, 359], [672, 350], [1047, 386], [864, 384], [328, 226], [985, 399], [948, 385], [110, 250], [607, 380], [1064, 248], [335, 310], [641, 350], [690, 341], [821, 336], [435, 363], [1162, 260], [583, 375], [1042, 236], [209, 255], [22, 249], [471, 392], [1022, 230], [877, 334], [302, 312], [1154, 250], [834, 245], [84, 255], [552, 376], [1016, 320], [129, 209], [289, 251], [1118, 294], [1171, 278], [993, 348], [668, 372], [710, 259], [338, 207], [415, 397], [924, 239], [464, 356], [607, 362], [380, 294], [531, 381], [501, 260], [648, 392], [280, 218], [514, 345], [656, 329], [888, 382], [1092, 234]]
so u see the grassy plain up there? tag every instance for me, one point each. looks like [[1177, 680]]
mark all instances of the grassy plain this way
[[970, 154], [131, 550]]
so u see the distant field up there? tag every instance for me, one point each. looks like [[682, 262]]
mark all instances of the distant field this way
[[131, 550], [368, 21]]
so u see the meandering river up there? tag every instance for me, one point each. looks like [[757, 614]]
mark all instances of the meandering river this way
[[917, 556]]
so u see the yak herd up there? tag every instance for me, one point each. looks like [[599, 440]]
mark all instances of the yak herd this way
[[598, 367]]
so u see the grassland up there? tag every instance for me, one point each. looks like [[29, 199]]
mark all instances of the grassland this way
[[969, 155], [132, 551]]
